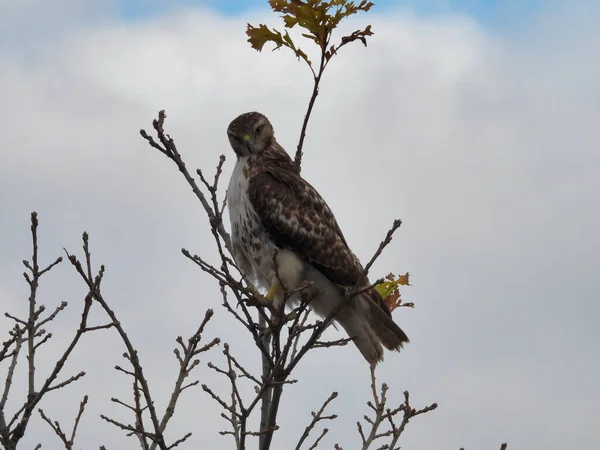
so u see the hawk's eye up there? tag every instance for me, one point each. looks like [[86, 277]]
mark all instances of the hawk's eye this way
[[259, 129]]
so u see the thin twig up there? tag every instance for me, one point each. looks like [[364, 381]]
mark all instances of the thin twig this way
[[132, 356], [311, 104], [384, 244], [186, 365], [68, 442], [10, 436], [317, 417], [11, 368], [169, 149]]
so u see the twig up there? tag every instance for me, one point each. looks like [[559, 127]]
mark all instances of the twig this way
[[384, 244], [130, 428], [219, 400], [18, 332], [140, 385], [186, 365], [15, 334], [311, 104], [316, 443], [180, 441], [35, 272], [9, 435], [68, 442], [337, 343], [378, 406], [139, 414], [132, 356], [169, 149], [383, 413], [317, 417], [66, 382], [408, 413], [51, 317]]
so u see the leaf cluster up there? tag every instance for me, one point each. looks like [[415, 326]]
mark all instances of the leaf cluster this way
[[317, 18], [389, 290]]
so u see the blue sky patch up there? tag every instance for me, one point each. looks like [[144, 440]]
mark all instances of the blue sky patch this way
[[491, 13]]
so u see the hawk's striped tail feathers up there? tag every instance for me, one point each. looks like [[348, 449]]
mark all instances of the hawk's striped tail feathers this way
[[371, 327]]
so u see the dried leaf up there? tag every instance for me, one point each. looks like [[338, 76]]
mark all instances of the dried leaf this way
[[358, 35], [390, 292], [318, 18], [290, 21], [258, 37]]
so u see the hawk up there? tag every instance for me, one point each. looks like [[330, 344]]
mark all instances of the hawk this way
[[272, 208]]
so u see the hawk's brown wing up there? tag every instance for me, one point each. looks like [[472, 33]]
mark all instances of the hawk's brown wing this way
[[297, 218]]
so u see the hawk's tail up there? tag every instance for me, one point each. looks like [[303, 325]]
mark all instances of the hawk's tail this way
[[370, 324]]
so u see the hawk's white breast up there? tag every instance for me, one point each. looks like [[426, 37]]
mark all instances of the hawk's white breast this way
[[252, 245], [237, 192]]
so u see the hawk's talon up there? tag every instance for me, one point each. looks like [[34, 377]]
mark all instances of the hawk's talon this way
[[253, 290], [260, 299], [273, 291], [264, 300]]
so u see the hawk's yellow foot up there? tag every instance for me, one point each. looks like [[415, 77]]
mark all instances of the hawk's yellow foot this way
[[273, 291], [253, 289], [267, 299]]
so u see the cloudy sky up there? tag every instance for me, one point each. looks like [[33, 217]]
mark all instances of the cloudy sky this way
[[474, 121]]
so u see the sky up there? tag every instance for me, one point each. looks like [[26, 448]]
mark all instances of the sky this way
[[491, 12], [474, 122]]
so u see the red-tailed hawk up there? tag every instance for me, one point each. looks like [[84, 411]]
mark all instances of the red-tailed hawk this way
[[272, 207]]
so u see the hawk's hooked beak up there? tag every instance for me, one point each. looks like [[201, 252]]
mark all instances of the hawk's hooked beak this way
[[247, 140]]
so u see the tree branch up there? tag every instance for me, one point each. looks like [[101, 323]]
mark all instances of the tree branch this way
[[317, 417]]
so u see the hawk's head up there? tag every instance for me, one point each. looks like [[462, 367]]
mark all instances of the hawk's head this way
[[250, 133]]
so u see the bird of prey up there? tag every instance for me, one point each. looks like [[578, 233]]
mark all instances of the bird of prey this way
[[272, 208]]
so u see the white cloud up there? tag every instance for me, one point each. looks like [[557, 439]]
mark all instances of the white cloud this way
[[485, 145]]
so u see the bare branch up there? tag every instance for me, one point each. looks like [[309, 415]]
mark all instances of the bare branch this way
[[130, 428], [384, 244], [317, 417], [16, 319], [15, 335], [68, 442], [119, 402], [58, 261], [179, 441], [66, 382], [30, 335], [218, 399], [169, 149], [131, 354], [51, 317], [337, 343], [186, 365], [316, 443], [18, 332], [378, 405], [311, 104]]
